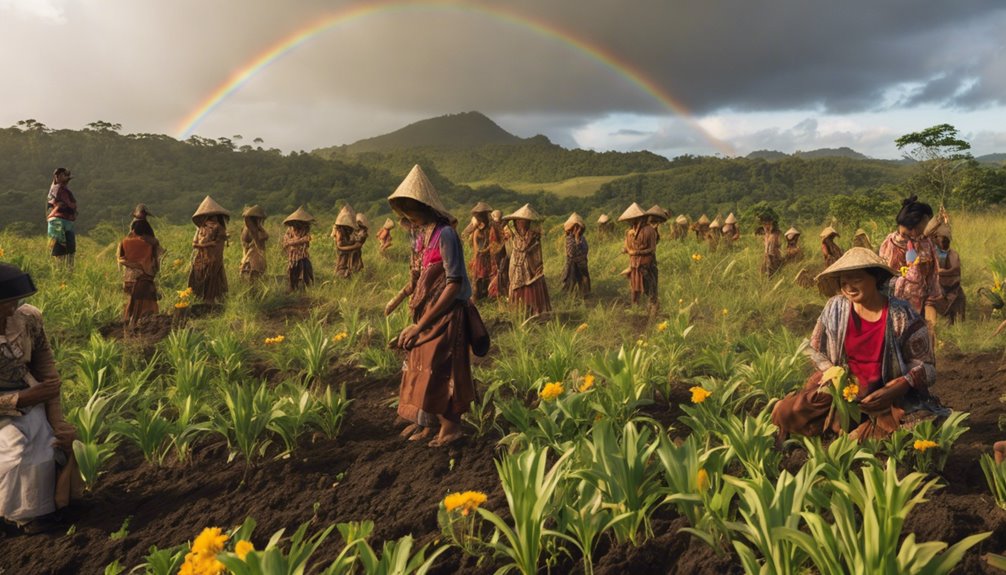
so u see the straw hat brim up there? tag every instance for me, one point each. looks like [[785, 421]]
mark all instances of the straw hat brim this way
[[603, 219], [209, 207], [852, 259], [681, 220], [704, 220], [526, 212], [253, 212], [346, 217], [828, 232], [482, 208], [730, 219], [573, 220], [417, 187], [299, 215], [631, 213]]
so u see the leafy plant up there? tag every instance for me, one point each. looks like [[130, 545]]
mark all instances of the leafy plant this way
[[90, 458], [314, 352], [751, 439], [250, 410], [332, 408], [931, 443], [483, 413], [995, 476], [293, 412], [150, 431]]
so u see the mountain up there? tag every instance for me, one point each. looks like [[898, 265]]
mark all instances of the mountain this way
[[470, 147], [773, 155], [994, 159], [769, 155], [454, 131]]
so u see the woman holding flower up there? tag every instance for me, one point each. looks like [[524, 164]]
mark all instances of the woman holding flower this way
[[207, 278], [296, 243], [870, 351], [910, 251], [437, 383]]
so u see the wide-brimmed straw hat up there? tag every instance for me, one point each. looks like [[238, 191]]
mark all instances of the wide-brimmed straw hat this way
[[730, 219], [209, 207], [657, 212], [361, 220], [632, 212], [603, 219], [416, 186], [573, 220], [346, 217], [852, 259], [14, 283], [704, 220], [860, 232], [791, 232], [299, 215], [388, 224], [255, 211], [682, 219], [140, 212], [526, 212], [828, 232], [716, 223], [481, 208], [496, 215]]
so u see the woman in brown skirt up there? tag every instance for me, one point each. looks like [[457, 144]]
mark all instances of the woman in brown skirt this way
[[253, 239], [345, 245], [207, 278], [641, 246], [139, 255], [527, 271], [880, 341], [482, 261], [437, 381], [576, 275], [296, 244]]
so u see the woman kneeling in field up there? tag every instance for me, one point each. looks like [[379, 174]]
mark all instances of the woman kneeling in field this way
[[882, 342], [437, 375]]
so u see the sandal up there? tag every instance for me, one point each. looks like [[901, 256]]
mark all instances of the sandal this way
[[446, 440]]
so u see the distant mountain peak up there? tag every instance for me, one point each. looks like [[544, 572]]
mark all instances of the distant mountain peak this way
[[843, 152], [452, 131]]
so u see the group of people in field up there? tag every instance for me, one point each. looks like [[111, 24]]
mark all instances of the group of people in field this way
[[873, 326]]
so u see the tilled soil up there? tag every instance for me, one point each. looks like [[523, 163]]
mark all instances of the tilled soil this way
[[368, 472]]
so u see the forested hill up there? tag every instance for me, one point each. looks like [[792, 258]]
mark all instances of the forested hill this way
[[113, 172], [472, 148]]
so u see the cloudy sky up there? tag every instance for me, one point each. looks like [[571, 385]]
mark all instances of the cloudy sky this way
[[675, 77]]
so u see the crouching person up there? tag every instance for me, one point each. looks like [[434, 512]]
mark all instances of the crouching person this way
[[881, 342], [37, 469]]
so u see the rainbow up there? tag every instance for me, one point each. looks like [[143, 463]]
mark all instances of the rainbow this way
[[256, 65]]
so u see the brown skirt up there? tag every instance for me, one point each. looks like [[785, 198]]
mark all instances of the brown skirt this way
[[805, 412], [209, 281], [344, 264], [437, 376], [141, 300], [533, 297]]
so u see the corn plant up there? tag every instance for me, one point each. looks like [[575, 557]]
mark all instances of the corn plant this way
[[711, 404], [150, 431], [90, 458], [331, 412], [295, 411], [555, 423], [864, 528], [530, 486], [773, 375], [185, 429], [483, 413], [767, 507], [97, 364], [751, 439], [183, 344], [272, 560], [838, 458], [162, 561], [314, 351], [90, 419], [191, 378], [995, 476], [931, 443], [518, 365], [230, 354], [249, 412], [621, 471], [717, 362], [694, 478], [562, 351], [627, 382], [397, 557], [584, 518]]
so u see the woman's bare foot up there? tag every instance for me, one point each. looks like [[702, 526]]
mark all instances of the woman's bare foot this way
[[420, 435], [409, 430], [445, 440]]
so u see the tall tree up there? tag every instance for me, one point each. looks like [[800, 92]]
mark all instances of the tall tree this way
[[942, 155]]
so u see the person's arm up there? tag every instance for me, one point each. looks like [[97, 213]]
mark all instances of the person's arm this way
[[817, 350], [649, 242], [953, 266], [43, 369]]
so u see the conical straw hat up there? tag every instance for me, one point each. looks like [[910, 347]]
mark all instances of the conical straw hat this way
[[730, 219], [346, 217], [942, 230], [255, 211], [574, 220], [481, 208], [704, 220], [681, 220], [496, 215], [361, 221], [716, 223], [860, 232], [299, 215], [791, 232], [416, 186], [657, 212], [828, 232], [388, 224], [603, 219], [632, 212], [853, 259], [524, 213], [210, 208], [140, 212]]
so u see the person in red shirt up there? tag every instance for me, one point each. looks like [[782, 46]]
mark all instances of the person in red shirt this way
[[62, 214]]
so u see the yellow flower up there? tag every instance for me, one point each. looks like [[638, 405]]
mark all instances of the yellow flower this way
[[921, 445], [202, 559], [177, 262], [552, 391], [182, 304], [903, 271], [681, 301], [662, 326], [833, 374], [699, 394], [183, 293], [588, 382], [467, 502], [339, 336], [850, 392], [702, 480], [581, 328], [62, 285], [2, 253], [696, 257], [242, 548], [725, 312]]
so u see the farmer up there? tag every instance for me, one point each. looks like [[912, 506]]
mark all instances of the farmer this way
[[861, 240], [641, 246], [359, 237], [345, 246], [500, 283], [384, 237], [207, 278], [772, 258], [680, 228], [952, 306], [576, 275], [730, 232], [701, 228], [37, 468], [527, 271], [914, 255], [882, 342], [605, 227], [253, 238], [62, 206], [714, 233], [656, 216], [139, 254], [794, 252], [437, 383], [829, 249], [296, 243], [482, 260]]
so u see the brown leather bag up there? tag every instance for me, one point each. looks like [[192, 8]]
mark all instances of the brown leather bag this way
[[478, 335]]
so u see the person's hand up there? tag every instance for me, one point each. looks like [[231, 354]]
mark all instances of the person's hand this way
[[40, 393], [885, 396], [65, 434], [408, 336], [390, 306]]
